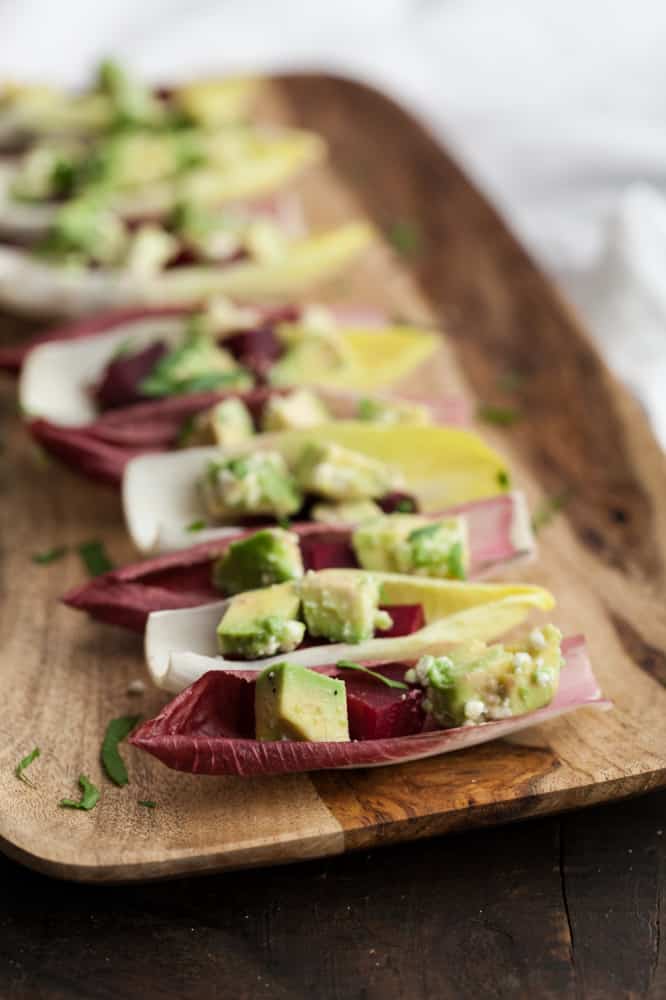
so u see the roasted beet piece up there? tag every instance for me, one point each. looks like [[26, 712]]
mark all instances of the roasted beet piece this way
[[121, 382], [257, 350], [403, 503], [407, 618], [377, 711], [326, 549]]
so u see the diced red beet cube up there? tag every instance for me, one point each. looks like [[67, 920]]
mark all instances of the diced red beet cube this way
[[257, 350], [406, 618], [327, 550], [120, 384], [403, 503], [377, 711]]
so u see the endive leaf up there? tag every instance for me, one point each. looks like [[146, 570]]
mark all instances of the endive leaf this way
[[382, 357], [180, 645], [214, 102], [441, 466]]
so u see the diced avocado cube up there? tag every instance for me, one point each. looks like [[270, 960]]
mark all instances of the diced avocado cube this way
[[342, 605], [313, 347], [479, 683], [390, 411], [352, 512], [338, 473], [264, 241], [269, 556], [230, 422], [261, 623], [83, 228], [149, 249], [196, 365], [255, 484], [407, 543], [294, 703], [298, 409]]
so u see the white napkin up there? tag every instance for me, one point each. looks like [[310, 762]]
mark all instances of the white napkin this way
[[557, 110]]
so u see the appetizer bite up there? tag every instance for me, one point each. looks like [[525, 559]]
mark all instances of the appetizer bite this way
[[116, 101], [288, 718], [328, 615], [470, 541], [289, 474]]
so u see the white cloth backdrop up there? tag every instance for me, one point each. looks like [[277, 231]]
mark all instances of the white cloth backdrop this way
[[557, 107]]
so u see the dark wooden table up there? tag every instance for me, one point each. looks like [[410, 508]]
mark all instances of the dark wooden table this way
[[567, 906]]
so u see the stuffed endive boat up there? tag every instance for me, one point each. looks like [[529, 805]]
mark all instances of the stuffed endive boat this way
[[331, 615], [290, 719], [286, 475], [471, 541], [116, 101]]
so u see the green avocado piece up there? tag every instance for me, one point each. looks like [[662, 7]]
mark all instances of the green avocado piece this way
[[342, 605], [294, 703], [261, 623], [255, 484], [269, 556], [84, 230], [479, 683], [407, 543], [313, 348], [196, 365], [338, 473], [133, 103], [298, 409], [393, 411]]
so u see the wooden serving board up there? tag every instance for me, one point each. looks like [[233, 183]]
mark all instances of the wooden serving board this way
[[64, 677]]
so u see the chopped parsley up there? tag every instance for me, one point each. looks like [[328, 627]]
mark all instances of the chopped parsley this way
[[94, 557], [147, 803], [49, 556], [348, 665], [503, 479], [547, 510], [501, 416], [90, 796], [116, 731], [456, 562], [196, 526], [24, 763], [406, 237], [405, 506]]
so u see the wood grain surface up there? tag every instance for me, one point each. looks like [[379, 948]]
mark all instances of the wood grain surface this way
[[604, 558]]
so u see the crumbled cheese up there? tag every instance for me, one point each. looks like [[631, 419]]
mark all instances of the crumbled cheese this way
[[474, 710], [522, 661], [544, 676], [537, 639]]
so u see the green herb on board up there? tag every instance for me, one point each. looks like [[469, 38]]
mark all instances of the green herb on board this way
[[94, 557], [547, 510], [24, 763], [49, 556], [116, 731], [406, 237], [148, 803], [501, 416], [90, 796], [196, 526]]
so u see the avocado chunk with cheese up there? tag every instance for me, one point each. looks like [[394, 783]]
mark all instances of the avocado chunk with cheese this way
[[393, 411], [261, 623], [477, 683], [342, 605], [251, 485], [338, 473], [351, 512], [226, 424], [269, 556], [294, 703], [85, 230], [313, 347], [407, 543], [294, 411], [196, 365]]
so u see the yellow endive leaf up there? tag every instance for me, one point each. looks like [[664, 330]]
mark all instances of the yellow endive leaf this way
[[381, 357], [304, 264], [214, 102], [441, 598]]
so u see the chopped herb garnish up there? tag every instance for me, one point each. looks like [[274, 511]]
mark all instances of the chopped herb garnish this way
[[49, 556], [547, 510], [186, 431], [26, 762], [94, 557], [90, 796], [196, 526], [348, 665], [116, 731], [406, 237], [502, 416], [148, 803], [503, 479], [405, 506]]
